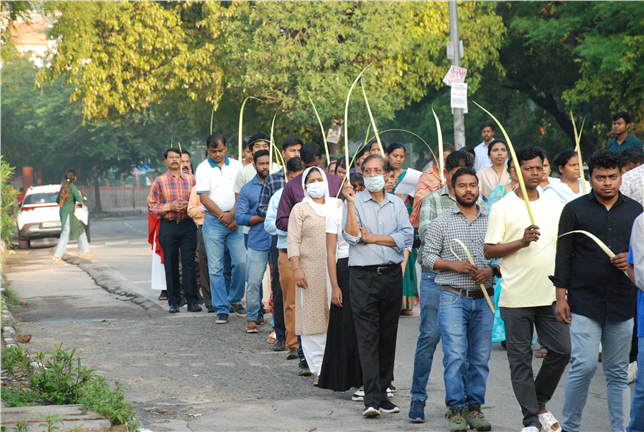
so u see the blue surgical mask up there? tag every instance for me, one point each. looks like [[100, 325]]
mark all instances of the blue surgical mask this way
[[374, 184], [316, 189]]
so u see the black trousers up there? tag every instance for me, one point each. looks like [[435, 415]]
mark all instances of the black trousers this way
[[533, 394], [376, 300], [278, 300], [174, 239]]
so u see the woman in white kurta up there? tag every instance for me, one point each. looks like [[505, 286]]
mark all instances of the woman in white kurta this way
[[307, 253], [496, 175]]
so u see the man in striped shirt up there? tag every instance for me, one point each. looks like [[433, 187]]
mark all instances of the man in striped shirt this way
[[168, 199]]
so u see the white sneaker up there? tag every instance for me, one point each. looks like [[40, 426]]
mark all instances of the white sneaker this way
[[358, 395], [632, 372]]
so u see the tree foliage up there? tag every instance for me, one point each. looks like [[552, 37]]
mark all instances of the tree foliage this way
[[123, 57]]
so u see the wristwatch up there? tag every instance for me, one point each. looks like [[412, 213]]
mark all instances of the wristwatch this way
[[496, 271]]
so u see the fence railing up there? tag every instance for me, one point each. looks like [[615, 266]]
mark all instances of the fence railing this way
[[116, 197]]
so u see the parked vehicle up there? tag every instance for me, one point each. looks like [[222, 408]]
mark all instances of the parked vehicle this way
[[39, 215]]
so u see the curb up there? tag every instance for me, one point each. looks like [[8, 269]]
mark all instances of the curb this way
[[108, 214], [102, 275], [9, 332]]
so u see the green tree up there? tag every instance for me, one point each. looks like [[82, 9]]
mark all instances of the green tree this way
[[42, 129], [122, 57]]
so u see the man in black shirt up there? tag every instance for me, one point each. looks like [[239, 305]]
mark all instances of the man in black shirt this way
[[599, 305]]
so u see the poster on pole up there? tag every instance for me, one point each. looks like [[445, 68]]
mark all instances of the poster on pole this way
[[459, 96], [450, 50], [455, 74]]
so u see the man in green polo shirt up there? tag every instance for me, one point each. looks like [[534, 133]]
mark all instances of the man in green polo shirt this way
[[623, 140]]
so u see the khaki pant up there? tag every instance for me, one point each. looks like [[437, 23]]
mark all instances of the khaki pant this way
[[287, 280]]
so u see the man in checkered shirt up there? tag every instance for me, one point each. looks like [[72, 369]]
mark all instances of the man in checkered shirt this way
[[465, 319]]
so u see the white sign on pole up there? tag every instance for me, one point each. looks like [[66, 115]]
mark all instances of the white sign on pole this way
[[455, 74], [459, 96], [450, 50]]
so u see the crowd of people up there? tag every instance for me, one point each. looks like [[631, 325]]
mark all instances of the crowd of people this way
[[342, 248]]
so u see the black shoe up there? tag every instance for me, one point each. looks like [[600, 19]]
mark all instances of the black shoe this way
[[371, 411], [194, 308], [387, 407], [221, 319], [303, 369], [292, 354], [279, 345], [174, 309], [260, 318], [211, 309], [239, 310]]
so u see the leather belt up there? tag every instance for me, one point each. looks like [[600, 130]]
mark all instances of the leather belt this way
[[382, 269], [472, 294], [177, 222]]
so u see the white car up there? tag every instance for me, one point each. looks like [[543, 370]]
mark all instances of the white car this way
[[39, 215]]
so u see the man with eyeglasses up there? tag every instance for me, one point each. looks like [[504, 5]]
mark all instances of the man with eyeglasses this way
[[377, 228]]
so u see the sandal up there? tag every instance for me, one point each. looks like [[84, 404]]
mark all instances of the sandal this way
[[272, 337], [547, 421], [163, 295], [251, 326], [316, 382], [541, 353], [85, 255], [56, 260]]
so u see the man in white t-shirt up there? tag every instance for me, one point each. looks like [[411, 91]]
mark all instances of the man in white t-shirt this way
[[215, 181], [527, 295], [482, 160]]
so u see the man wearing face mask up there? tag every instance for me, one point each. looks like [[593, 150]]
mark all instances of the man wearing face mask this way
[[377, 228]]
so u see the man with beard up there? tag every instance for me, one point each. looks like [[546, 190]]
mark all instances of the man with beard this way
[[259, 241], [465, 319], [594, 296]]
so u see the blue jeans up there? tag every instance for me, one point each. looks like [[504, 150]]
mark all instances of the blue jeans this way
[[466, 329], [216, 235], [585, 335], [255, 268], [637, 404], [428, 337]]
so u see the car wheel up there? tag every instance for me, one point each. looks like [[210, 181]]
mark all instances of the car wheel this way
[[24, 243]]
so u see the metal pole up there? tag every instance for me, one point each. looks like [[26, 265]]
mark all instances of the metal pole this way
[[459, 121]]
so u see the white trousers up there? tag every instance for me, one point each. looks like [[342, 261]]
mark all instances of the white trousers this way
[[83, 244], [313, 347]]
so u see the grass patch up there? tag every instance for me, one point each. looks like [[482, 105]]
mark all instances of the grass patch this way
[[59, 378]]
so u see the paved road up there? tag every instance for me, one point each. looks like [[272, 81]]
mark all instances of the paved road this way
[[209, 377]]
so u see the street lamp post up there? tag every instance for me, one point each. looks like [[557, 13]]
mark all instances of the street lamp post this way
[[459, 121]]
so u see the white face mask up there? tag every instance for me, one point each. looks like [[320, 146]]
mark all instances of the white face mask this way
[[316, 189]]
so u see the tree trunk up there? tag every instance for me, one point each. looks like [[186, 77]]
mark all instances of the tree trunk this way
[[98, 208]]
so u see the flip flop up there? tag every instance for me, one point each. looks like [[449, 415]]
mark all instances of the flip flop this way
[[541, 353], [56, 260], [547, 421]]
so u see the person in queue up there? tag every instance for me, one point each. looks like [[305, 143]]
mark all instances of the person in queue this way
[[377, 228]]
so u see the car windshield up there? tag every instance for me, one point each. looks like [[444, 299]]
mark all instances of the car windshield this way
[[41, 198]]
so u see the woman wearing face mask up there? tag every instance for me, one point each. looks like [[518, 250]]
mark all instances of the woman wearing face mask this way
[[497, 174], [396, 153], [307, 253], [341, 369], [570, 187]]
